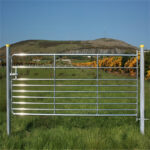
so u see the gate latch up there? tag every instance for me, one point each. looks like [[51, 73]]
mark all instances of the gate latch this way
[[13, 74]]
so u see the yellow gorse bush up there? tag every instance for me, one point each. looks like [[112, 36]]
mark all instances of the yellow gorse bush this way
[[148, 75], [131, 63], [104, 62], [114, 62]]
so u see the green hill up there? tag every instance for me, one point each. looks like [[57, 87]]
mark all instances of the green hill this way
[[103, 45]]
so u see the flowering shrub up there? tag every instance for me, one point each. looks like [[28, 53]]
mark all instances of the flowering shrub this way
[[86, 64], [104, 62], [132, 63], [148, 75], [115, 62]]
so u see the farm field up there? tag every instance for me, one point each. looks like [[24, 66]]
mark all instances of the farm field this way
[[58, 132]]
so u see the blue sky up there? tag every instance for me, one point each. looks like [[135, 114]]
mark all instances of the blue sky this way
[[127, 20]]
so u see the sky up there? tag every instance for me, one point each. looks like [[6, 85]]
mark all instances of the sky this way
[[126, 20]]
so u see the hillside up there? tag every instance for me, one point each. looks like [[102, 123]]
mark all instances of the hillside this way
[[103, 45]]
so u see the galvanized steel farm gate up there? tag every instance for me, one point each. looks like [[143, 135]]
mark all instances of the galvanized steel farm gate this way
[[72, 95]]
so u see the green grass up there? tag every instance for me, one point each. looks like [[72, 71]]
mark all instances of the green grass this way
[[58, 132]]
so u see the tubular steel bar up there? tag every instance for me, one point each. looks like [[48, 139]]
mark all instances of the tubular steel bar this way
[[11, 76], [45, 114], [52, 67], [71, 109], [137, 85], [54, 81], [37, 103], [71, 85], [23, 54], [142, 89], [31, 91], [40, 79], [74, 97], [97, 85], [8, 88]]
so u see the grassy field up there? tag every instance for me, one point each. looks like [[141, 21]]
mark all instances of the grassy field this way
[[58, 132]]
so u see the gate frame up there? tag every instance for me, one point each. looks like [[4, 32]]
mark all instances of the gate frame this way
[[8, 88]]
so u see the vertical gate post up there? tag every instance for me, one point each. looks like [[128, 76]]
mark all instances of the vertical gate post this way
[[8, 87], [137, 77], [142, 89], [97, 84], [54, 81]]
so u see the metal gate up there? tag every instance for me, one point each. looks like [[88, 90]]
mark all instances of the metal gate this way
[[63, 85]]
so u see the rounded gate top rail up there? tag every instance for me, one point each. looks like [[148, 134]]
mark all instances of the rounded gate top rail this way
[[48, 54]]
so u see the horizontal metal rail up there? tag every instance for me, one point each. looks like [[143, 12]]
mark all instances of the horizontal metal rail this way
[[75, 97], [24, 54], [35, 91], [70, 85], [81, 109], [37, 103], [51, 67], [40, 79], [48, 114]]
